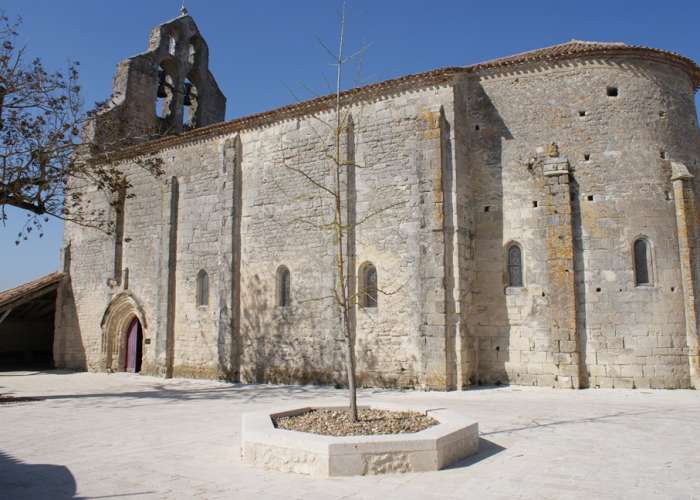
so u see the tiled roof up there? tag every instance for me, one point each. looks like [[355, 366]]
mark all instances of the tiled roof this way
[[580, 48], [568, 50], [46, 283]]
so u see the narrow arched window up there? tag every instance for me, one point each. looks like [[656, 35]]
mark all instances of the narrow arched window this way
[[202, 288], [515, 266], [283, 287], [641, 262], [368, 285], [172, 44]]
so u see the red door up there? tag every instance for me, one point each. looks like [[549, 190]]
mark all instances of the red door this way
[[133, 347]]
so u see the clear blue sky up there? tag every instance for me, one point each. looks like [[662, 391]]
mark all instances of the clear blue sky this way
[[260, 50]]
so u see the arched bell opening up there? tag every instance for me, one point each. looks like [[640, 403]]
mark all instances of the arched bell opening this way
[[189, 105], [166, 95]]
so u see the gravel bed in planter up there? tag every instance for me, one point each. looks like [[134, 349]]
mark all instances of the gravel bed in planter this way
[[336, 422]]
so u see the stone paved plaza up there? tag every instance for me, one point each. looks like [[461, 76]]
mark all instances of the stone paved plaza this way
[[128, 436]]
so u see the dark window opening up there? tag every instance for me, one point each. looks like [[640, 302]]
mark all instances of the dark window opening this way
[[515, 266], [662, 154], [589, 197], [476, 127], [641, 262], [202, 288], [284, 294], [582, 113], [534, 204], [612, 92], [119, 235], [368, 285], [487, 208], [587, 156]]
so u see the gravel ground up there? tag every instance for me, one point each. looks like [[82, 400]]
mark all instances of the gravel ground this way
[[338, 423]]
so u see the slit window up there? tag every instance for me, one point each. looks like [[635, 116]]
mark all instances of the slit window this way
[[641, 262], [284, 297], [368, 285], [202, 288], [515, 266]]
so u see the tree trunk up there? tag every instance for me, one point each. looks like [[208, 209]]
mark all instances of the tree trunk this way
[[350, 362]]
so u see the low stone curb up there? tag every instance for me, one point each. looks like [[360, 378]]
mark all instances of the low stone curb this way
[[263, 445]]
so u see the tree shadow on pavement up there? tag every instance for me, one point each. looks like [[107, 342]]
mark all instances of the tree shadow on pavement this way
[[23, 481], [242, 393], [586, 420], [19, 480]]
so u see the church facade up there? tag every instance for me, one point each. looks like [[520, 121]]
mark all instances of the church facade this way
[[534, 223]]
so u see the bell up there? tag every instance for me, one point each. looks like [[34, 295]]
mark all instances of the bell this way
[[161, 85], [188, 94]]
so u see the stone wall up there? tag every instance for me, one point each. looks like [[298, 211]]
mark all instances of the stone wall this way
[[397, 147], [630, 336], [275, 220]]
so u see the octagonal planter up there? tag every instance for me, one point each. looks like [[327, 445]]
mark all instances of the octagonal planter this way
[[452, 439]]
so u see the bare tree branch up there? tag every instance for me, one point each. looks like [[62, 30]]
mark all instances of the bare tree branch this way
[[46, 170]]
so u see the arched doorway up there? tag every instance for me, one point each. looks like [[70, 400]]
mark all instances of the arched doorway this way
[[134, 347], [123, 322]]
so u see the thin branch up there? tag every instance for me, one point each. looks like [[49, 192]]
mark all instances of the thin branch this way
[[310, 179]]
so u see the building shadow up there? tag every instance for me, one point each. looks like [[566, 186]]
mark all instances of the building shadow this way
[[20, 480], [489, 304]]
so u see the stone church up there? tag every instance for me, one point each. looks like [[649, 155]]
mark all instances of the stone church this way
[[536, 224]]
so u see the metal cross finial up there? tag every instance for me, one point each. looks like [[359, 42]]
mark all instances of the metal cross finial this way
[[183, 9]]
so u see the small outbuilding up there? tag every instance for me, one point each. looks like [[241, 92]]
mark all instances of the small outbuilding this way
[[27, 323]]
